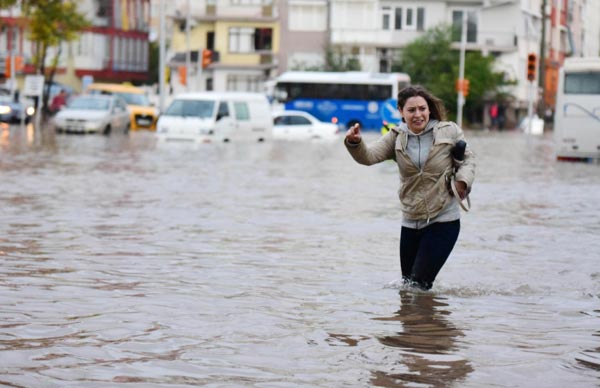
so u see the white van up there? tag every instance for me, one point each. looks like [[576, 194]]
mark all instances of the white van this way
[[216, 117]]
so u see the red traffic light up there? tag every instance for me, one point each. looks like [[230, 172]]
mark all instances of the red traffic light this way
[[462, 86], [531, 66], [207, 57]]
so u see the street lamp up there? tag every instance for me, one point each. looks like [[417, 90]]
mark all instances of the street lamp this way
[[460, 101]]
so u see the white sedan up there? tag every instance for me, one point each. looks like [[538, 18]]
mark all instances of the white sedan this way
[[93, 113], [299, 125]]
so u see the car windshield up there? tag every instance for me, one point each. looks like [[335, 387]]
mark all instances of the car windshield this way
[[191, 108], [130, 98], [89, 103], [134, 98]]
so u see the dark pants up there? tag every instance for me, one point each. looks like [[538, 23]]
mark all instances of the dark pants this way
[[423, 252]]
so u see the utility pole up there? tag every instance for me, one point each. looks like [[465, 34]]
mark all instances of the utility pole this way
[[12, 47], [161, 55], [542, 63], [461, 69], [188, 60]]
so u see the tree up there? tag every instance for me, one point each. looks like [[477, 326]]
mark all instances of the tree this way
[[432, 62], [337, 60], [51, 22], [334, 60]]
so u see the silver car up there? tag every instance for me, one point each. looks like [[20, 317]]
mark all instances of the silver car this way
[[93, 113]]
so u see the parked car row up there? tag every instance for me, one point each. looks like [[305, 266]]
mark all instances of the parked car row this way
[[196, 117], [233, 116]]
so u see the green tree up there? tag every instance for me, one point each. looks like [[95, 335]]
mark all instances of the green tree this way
[[50, 22], [335, 59], [154, 63], [432, 62]]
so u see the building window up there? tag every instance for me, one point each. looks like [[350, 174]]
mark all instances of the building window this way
[[248, 40], [410, 18], [386, 17], [244, 83], [398, 18], [304, 17], [263, 39], [471, 26], [241, 40], [420, 19]]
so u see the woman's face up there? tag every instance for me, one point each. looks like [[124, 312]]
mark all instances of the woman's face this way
[[416, 113]]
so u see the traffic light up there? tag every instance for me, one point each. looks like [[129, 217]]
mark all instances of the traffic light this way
[[207, 58], [18, 65], [531, 66], [462, 86], [182, 71]]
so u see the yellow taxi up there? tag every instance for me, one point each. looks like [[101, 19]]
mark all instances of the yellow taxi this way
[[143, 114]]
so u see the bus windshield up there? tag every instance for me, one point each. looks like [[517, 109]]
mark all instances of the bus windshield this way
[[344, 98], [577, 110], [582, 83]]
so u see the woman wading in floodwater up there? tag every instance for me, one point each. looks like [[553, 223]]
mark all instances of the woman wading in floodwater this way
[[422, 147]]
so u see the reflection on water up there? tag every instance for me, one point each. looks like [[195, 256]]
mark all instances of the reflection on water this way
[[267, 265], [426, 342], [590, 358]]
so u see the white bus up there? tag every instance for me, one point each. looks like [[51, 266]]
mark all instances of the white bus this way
[[343, 98], [577, 114]]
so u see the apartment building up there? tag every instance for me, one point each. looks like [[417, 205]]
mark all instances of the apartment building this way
[[305, 33], [242, 34], [376, 30], [506, 29], [113, 49]]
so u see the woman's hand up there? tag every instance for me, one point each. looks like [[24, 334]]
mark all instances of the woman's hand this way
[[461, 189], [353, 134]]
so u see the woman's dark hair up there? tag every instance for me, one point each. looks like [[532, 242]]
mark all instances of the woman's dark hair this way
[[436, 107]]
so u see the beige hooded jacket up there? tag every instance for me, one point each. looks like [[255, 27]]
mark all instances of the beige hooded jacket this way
[[423, 191]]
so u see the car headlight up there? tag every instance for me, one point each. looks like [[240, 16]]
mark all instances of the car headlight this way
[[4, 109], [93, 124], [30, 111], [59, 121]]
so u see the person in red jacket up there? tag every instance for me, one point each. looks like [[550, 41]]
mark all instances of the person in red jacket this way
[[58, 101]]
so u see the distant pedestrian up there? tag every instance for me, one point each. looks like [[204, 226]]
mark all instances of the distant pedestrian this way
[[501, 116], [494, 115], [422, 147], [58, 101]]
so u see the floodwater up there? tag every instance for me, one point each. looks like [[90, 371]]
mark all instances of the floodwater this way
[[124, 262]]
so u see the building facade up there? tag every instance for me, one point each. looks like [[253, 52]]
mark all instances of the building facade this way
[[242, 35], [114, 48]]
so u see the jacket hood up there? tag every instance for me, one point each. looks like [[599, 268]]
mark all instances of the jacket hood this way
[[404, 127]]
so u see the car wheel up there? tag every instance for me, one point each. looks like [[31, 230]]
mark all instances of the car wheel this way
[[106, 130]]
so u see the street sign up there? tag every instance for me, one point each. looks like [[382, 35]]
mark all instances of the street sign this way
[[389, 111], [34, 85]]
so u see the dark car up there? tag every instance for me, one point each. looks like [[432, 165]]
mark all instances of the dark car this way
[[12, 111]]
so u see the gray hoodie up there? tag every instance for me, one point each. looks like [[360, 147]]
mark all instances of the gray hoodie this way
[[417, 148]]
